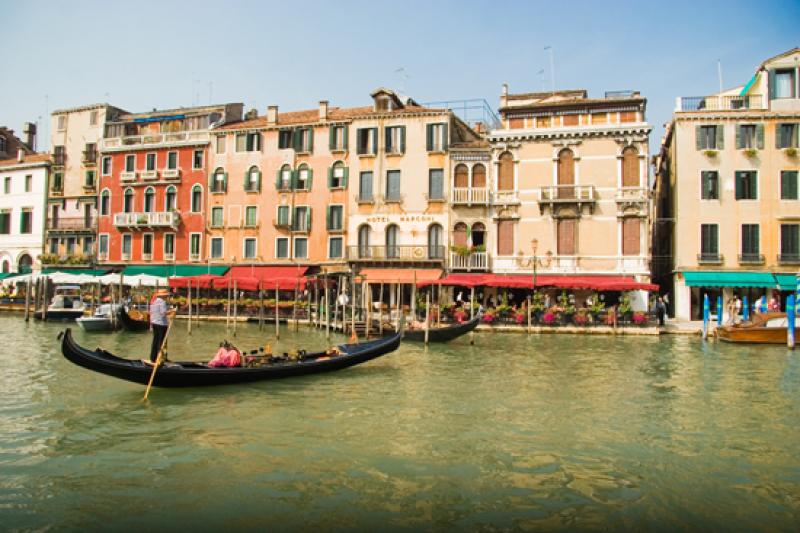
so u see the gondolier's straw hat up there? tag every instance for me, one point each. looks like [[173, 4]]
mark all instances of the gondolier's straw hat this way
[[162, 292]]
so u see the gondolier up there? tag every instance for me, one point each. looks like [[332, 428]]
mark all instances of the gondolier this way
[[159, 321]]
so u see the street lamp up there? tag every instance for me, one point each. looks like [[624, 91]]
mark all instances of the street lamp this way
[[534, 247]]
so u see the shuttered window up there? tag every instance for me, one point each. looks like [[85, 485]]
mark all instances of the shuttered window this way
[[335, 217], [216, 216], [790, 241], [460, 234], [516, 123], [505, 180], [367, 141], [479, 176], [505, 237], [393, 186], [630, 167], [365, 187], [709, 137], [786, 136], [570, 120], [250, 248], [566, 173], [461, 176], [631, 236], [709, 185], [709, 240], [627, 116], [750, 136], [281, 248], [750, 238], [436, 184], [395, 139], [335, 247], [788, 185], [746, 185], [566, 236], [251, 216]]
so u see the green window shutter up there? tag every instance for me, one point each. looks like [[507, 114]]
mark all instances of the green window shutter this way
[[445, 137], [344, 137], [739, 185], [296, 140], [278, 180], [308, 218], [754, 185], [293, 181], [795, 134], [698, 137], [387, 134], [402, 139], [760, 136], [211, 180], [258, 182], [344, 177], [331, 137], [777, 135], [429, 137], [246, 179], [310, 179], [738, 137], [720, 130], [330, 177], [225, 182], [771, 84], [310, 140], [375, 144], [328, 217]]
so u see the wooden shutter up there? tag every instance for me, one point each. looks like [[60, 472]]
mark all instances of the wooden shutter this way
[[479, 176], [330, 177], [345, 144], [566, 173], [516, 123], [402, 139], [309, 179], [505, 180], [331, 138], [278, 179], [460, 234], [387, 134], [739, 185], [771, 84], [445, 137], [505, 237], [760, 136], [566, 236], [345, 173], [630, 167], [570, 120], [720, 132], [375, 141], [739, 145], [461, 176], [429, 137], [328, 217], [631, 236], [698, 137]]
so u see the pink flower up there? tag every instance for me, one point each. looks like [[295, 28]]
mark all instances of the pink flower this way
[[549, 318]]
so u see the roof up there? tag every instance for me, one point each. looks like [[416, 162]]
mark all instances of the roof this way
[[87, 107], [175, 111], [562, 99], [779, 56], [29, 159], [568, 93]]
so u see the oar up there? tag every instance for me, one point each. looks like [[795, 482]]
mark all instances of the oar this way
[[158, 361]]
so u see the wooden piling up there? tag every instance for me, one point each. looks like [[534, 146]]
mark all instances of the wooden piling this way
[[277, 317], [529, 314], [427, 315], [235, 306], [28, 300], [380, 312], [189, 305], [260, 307]]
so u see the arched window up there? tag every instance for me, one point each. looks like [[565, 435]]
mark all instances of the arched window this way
[[630, 167], [253, 180], [566, 173], [285, 178], [220, 183], [197, 199], [435, 248], [505, 178], [460, 234], [461, 176], [149, 200], [25, 264], [303, 178], [338, 176], [170, 198], [6, 266], [392, 250], [105, 202], [478, 236], [479, 176], [363, 241], [127, 205]]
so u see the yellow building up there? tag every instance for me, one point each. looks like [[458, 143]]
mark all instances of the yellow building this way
[[727, 209]]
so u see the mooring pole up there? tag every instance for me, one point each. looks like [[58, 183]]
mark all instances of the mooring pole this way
[[427, 315], [277, 320], [189, 304]]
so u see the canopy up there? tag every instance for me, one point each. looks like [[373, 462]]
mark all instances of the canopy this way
[[787, 282], [709, 278], [167, 271], [456, 280], [76, 271], [203, 281], [400, 275], [253, 278], [518, 281]]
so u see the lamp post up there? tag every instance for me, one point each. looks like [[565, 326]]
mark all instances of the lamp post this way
[[534, 246]]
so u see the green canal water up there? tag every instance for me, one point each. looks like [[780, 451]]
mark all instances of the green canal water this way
[[515, 433]]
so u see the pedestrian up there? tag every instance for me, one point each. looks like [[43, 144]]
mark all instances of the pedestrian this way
[[731, 308], [159, 321], [661, 310]]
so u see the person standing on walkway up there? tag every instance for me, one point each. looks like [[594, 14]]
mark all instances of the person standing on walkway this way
[[159, 321], [661, 310]]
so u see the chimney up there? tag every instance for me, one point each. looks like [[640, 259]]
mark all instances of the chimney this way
[[29, 129], [272, 115], [504, 96], [323, 110], [20, 155]]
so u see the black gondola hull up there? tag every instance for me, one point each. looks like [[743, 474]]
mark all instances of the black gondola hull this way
[[444, 334], [192, 374]]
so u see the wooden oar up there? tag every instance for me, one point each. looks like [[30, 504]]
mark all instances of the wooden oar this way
[[158, 361]]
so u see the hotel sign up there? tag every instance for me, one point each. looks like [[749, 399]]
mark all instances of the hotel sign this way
[[400, 218]]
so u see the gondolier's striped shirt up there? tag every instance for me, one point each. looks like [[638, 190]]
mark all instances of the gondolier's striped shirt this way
[[158, 312]]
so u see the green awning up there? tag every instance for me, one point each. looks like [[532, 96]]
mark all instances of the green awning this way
[[787, 282], [4, 275], [86, 271], [730, 279], [166, 271], [748, 85]]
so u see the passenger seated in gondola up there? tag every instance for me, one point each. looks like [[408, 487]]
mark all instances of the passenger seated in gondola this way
[[227, 357]]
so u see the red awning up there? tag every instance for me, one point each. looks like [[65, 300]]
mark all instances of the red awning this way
[[253, 278], [456, 280], [399, 275], [517, 281], [203, 281]]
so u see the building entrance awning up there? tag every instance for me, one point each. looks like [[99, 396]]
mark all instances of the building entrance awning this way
[[168, 271], [400, 275], [730, 279]]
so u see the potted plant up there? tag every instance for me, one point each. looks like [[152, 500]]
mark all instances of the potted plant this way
[[750, 152], [460, 316], [639, 318], [710, 153], [567, 307], [488, 316], [581, 318], [537, 305], [625, 309], [790, 152], [596, 308], [460, 250], [549, 318], [520, 318]]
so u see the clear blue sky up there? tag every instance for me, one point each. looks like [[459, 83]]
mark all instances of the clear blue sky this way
[[143, 54]]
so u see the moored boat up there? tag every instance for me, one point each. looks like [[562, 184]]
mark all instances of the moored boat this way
[[196, 374], [443, 334], [66, 304], [767, 328], [102, 319], [134, 320]]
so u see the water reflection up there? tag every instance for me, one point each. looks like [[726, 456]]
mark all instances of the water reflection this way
[[516, 432]]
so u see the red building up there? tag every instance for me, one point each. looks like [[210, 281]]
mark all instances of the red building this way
[[153, 185]]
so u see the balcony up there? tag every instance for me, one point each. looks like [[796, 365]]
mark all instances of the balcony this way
[[789, 259], [57, 190], [469, 196], [719, 103], [281, 224], [127, 176], [506, 197], [580, 195], [631, 199], [174, 139], [150, 175], [475, 261], [710, 259], [396, 254], [89, 157], [72, 224], [171, 174], [751, 259], [159, 219]]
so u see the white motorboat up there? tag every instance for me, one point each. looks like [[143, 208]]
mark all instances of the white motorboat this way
[[67, 303], [105, 318]]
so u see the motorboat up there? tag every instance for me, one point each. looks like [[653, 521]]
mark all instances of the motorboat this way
[[104, 318], [763, 328], [67, 303]]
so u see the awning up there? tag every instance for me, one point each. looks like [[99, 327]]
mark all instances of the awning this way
[[749, 84], [399, 275], [786, 282], [203, 281], [456, 280], [518, 281], [4, 275], [253, 278], [76, 271], [168, 271], [730, 279]]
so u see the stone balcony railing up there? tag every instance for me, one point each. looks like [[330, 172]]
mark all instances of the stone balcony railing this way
[[573, 264], [475, 261], [70, 224], [157, 219], [405, 253], [470, 196], [719, 103], [177, 138]]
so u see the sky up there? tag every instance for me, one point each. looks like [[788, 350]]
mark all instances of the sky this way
[[164, 54]]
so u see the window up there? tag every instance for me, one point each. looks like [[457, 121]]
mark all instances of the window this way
[[69, 248], [169, 246], [127, 245], [630, 167], [709, 185], [516, 123], [304, 176], [746, 185], [150, 162], [393, 186], [304, 139], [302, 218], [147, 246], [284, 181], [102, 246], [216, 247], [130, 163], [788, 185], [172, 160], [436, 184], [249, 248], [505, 179], [750, 136], [93, 118], [3, 144], [363, 241], [395, 139], [251, 216], [216, 216], [436, 137], [392, 250], [709, 242], [59, 155], [335, 248], [149, 200], [248, 142], [7, 185], [300, 248], [784, 86], [220, 181], [58, 182], [281, 248], [337, 138], [5, 222], [566, 230], [750, 246], [28, 182], [627, 116], [194, 246], [631, 240], [105, 166], [461, 176], [365, 187], [284, 139], [337, 176], [53, 248], [62, 122], [197, 159], [786, 136], [170, 197], [505, 237], [127, 203], [283, 215], [197, 198], [252, 179], [790, 242], [221, 144], [105, 202], [435, 248], [89, 179], [335, 217], [367, 141]]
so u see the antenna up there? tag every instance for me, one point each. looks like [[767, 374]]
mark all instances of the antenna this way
[[541, 79], [403, 77], [552, 69], [719, 74]]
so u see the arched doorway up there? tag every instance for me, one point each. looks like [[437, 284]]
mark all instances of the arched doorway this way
[[461, 178], [566, 173], [25, 264], [435, 248], [479, 236]]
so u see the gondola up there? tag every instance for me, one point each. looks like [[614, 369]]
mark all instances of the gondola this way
[[194, 374], [133, 323], [444, 334]]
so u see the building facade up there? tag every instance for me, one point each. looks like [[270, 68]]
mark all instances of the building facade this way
[[727, 191], [154, 181], [23, 178]]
